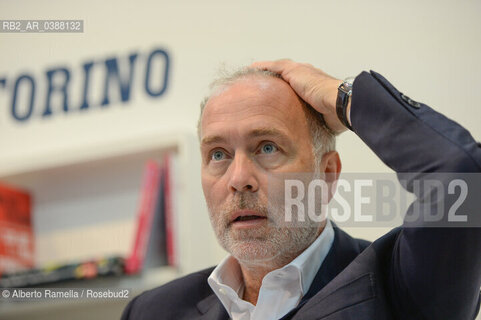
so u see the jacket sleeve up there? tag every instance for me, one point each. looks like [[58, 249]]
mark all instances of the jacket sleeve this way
[[126, 314], [435, 273]]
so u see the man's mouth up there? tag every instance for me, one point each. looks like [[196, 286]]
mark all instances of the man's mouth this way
[[247, 218]]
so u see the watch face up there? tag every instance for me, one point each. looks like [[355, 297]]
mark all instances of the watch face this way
[[349, 80], [346, 88]]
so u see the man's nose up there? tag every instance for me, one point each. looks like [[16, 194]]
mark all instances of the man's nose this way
[[243, 174]]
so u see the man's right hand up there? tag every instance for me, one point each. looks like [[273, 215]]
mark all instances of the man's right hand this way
[[311, 84]]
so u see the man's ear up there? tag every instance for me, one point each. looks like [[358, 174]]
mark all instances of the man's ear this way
[[331, 166]]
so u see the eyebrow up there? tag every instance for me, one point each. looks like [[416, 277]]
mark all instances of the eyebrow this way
[[259, 132]]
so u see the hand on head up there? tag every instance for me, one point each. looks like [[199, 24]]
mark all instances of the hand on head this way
[[311, 84]]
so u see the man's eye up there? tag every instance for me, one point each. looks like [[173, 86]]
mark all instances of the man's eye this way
[[269, 148], [218, 155]]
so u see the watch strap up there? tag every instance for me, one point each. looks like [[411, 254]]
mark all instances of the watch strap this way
[[344, 92]]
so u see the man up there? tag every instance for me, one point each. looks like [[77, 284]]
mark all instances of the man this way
[[256, 126]]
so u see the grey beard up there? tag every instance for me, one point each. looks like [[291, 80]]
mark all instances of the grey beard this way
[[276, 247]]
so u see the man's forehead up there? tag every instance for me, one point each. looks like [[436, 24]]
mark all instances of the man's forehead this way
[[251, 91], [252, 102], [249, 83]]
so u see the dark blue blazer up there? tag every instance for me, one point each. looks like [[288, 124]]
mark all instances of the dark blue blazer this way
[[410, 273]]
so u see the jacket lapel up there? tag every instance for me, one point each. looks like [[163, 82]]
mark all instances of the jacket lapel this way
[[356, 286], [343, 251], [212, 309]]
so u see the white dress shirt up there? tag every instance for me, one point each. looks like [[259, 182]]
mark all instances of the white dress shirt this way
[[281, 290]]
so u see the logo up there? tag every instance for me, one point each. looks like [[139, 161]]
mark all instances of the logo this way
[[5, 294]]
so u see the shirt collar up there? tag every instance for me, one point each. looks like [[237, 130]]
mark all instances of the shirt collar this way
[[226, 279], [311, 259]]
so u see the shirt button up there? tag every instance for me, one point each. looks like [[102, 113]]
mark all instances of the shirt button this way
[[222, 290], [411, 102]]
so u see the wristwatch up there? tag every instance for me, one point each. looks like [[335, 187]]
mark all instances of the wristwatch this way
[[344, 92]]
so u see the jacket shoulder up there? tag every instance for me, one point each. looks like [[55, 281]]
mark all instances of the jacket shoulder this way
[[182, 294]]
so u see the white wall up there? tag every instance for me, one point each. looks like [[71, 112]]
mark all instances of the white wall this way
[[429, 49]]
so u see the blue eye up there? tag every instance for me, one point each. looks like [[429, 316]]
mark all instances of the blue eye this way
[[218, 155], [269, 148]]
